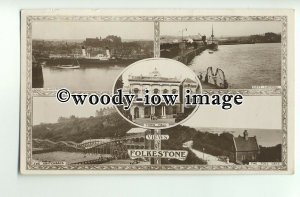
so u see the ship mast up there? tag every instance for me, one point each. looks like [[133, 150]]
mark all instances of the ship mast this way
[[212, 33]]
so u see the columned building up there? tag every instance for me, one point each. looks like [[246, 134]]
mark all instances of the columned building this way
[[157, 84]]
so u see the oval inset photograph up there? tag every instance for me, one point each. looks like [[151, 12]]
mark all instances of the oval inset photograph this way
[[159, 86]]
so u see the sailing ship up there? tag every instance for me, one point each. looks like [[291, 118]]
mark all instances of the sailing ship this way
[[212, 44]]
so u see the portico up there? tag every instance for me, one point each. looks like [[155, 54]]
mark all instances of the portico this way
[[155, 84], [161, 111]]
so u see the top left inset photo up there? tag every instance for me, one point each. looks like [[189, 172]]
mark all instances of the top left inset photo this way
[[75, 55]]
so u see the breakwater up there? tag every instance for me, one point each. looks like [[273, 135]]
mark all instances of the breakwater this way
[[183, 52], [187, 57]]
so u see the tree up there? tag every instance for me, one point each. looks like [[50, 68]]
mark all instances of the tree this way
[[114, 39]]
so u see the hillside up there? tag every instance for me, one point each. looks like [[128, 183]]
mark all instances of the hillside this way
[[270, 154], [112, 125], [213, 144], [79, 129]]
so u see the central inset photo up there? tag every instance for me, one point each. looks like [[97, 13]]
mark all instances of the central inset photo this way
[[159, 86]]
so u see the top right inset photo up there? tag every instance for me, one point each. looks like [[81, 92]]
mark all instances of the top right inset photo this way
[[227, 55]]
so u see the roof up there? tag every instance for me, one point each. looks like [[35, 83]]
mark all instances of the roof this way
[[136, 130], [241, 144], [153, 79], [188, 80], [154, 76]]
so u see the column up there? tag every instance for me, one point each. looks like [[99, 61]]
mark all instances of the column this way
[[163, 111], [142, 111], [152, 109], [132, 111]]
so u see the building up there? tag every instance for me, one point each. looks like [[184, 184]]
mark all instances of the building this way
[[105, 111], [157, 84], [246, 148], [136, 139]]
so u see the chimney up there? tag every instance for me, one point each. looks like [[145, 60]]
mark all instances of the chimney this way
[[83, 51], [246, 135]]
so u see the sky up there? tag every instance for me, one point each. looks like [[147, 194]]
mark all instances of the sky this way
[[145, 30], [82, 30], [257, 112], [49, 109], [220, 28]]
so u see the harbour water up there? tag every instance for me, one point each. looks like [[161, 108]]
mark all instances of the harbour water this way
[[92, 78], [245, 65]]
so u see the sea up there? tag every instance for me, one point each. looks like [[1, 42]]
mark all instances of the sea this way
[[89, 78], [244, 65]]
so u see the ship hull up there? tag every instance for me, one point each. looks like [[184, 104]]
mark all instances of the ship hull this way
[[213, 46], [84, 62], [68, 67]]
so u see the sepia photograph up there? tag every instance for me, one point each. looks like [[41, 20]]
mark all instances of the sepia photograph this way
[[70, 135], [240, 137], [177, 93], [226, 55], [84, 135], [149, 98], [157, 77], [86, 55], [224, 146]]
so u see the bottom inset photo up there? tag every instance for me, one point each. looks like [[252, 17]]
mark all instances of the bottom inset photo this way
[[67, 136]]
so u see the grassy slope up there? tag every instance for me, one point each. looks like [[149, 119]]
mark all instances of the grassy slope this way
[[79, 129]]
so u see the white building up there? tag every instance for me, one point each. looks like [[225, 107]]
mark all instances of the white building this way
[[157, 84]]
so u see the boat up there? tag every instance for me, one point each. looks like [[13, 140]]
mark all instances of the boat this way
[[74, 65], [212, 44], [67, 66], [86, 60], [210, 52], [89, 62]]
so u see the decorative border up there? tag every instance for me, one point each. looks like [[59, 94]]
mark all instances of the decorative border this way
[[284, 86], [245, 92], [163, 167], [156, 39], [29, 98], [30, 93]]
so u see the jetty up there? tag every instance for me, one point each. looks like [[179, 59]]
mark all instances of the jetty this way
[[183, 51], [188, 56]]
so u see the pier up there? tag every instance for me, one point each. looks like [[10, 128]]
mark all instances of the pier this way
[[188, 56], [183, 51]]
